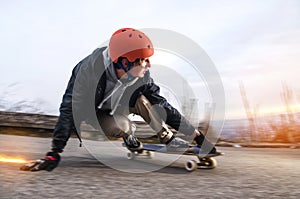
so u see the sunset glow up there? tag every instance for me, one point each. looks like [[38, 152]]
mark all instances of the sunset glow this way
[[278, 110]]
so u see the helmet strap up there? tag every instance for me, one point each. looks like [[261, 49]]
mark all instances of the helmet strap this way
[[127, 71]]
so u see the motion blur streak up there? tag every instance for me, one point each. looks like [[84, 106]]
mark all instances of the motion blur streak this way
[[12, 159]]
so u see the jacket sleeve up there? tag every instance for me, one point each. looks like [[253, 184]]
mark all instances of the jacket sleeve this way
[[65, 124], [174, 118]]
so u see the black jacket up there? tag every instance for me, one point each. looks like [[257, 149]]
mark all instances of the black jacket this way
[[85, 91]]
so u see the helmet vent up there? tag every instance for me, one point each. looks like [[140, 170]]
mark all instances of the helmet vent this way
[[130, 35], [140, 36], [148, 46]]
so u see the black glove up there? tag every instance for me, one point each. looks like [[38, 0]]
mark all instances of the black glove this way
[[49, 163]]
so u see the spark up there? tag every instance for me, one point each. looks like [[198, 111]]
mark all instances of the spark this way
[[8, 159]]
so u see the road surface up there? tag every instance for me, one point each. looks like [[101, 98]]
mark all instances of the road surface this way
[[241, 173]]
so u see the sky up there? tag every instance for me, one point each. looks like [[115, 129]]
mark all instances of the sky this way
[[254, 42]]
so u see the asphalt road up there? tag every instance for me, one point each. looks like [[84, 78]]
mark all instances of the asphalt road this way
[[241, 173]]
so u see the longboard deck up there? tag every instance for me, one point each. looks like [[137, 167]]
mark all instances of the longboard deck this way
[[203, 161], [191, 150]]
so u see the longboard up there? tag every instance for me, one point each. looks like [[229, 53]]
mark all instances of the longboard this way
[[204, 161]]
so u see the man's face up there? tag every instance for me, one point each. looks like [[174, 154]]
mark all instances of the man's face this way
[[140, 67]]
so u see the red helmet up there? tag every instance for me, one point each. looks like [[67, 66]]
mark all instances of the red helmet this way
[[130, 43]]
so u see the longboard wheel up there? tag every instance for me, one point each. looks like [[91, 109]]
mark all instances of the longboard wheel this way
[[207, 163], [131, 155], [191, 165]]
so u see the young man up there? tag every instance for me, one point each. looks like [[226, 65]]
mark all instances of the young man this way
[[113, 82]]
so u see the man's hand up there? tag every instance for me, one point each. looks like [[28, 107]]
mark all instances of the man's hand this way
[[48, 163]]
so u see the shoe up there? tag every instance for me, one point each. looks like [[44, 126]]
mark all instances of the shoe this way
[[177, 145], [206, 147], [132, 143], [213, 152]]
